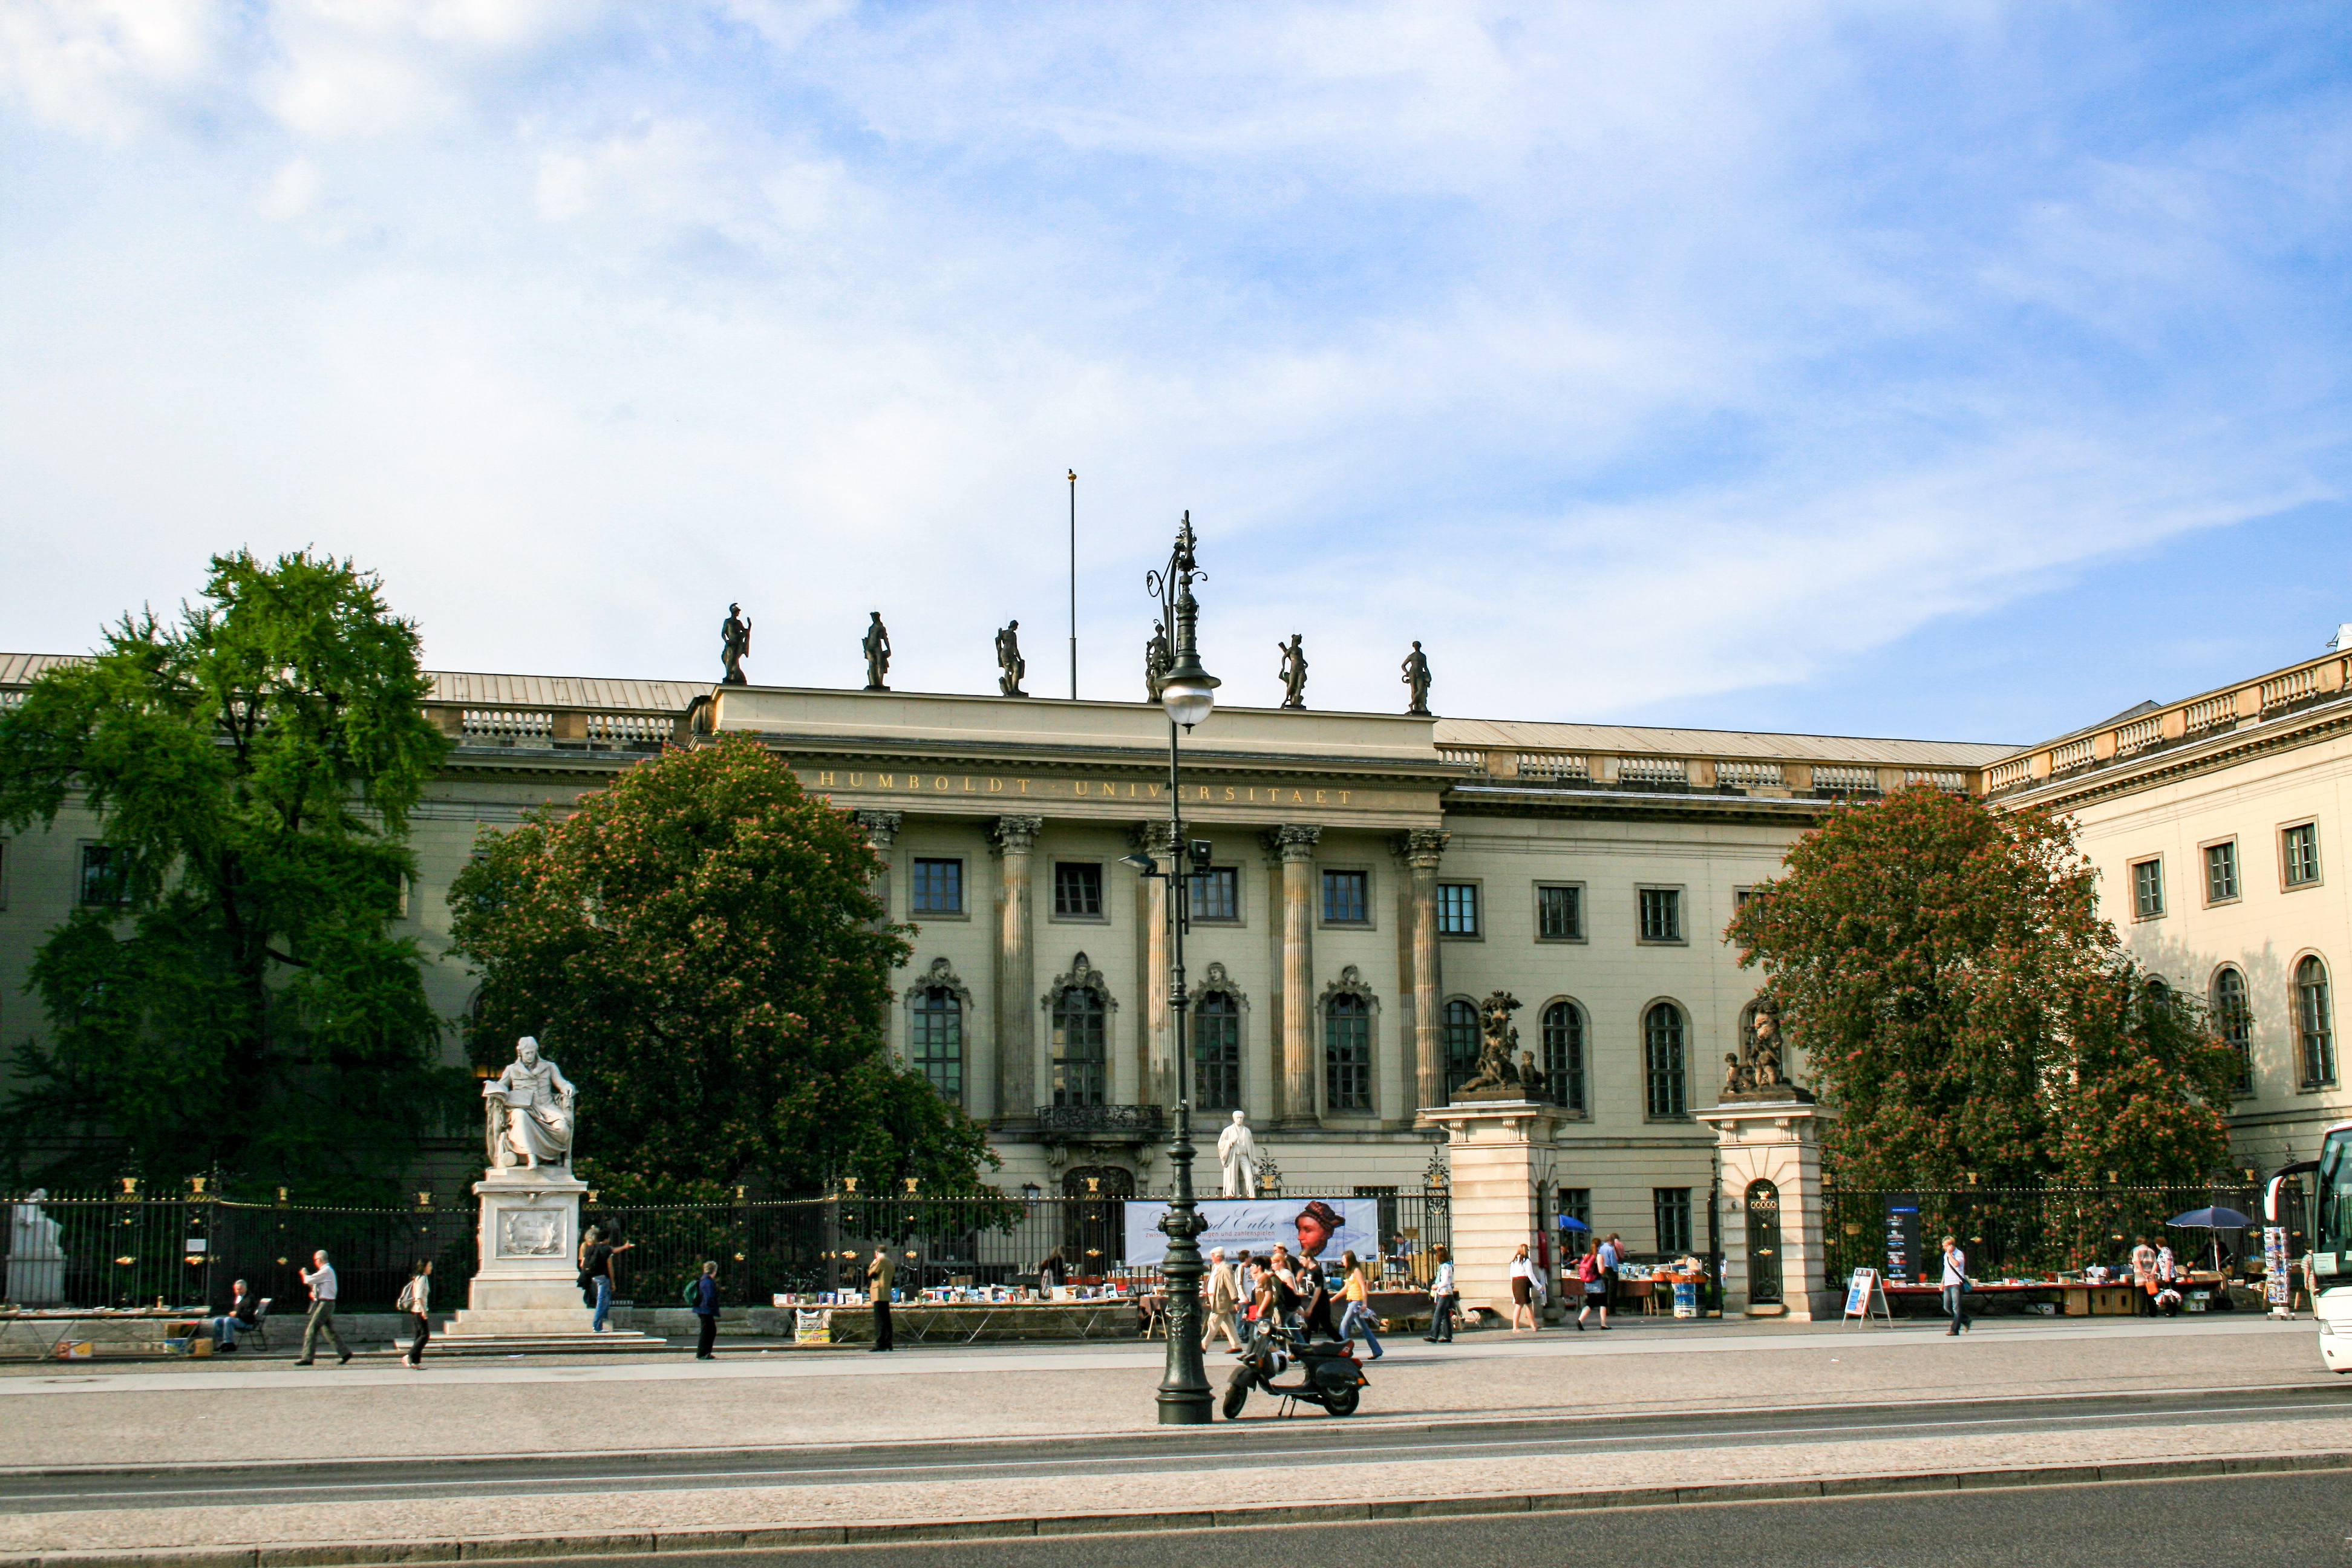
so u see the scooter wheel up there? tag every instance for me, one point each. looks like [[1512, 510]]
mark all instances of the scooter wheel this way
[[1237, 1392], [1342, 1401]]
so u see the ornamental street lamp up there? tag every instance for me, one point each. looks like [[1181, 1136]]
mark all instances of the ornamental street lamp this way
[[1188, 693]]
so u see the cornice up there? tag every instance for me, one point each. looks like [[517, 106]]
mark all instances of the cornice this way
[[1501, 800], [2291, 731]]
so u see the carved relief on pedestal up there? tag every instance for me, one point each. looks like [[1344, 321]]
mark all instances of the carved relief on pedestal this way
[[531, 1233]]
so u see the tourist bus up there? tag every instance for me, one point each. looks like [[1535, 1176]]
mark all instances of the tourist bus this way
[[2331, 1244]]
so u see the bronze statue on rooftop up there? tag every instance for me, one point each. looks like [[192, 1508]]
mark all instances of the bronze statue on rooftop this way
[[734, 643]]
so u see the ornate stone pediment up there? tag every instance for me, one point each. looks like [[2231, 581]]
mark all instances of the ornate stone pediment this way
[[941, 975], [1350, 984], [1082, 976], [1217, 982]]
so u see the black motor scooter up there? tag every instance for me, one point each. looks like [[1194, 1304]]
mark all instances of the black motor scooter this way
[[1330, 1375]]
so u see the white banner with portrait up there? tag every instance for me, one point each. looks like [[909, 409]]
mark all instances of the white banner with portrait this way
[[1315, 1228]]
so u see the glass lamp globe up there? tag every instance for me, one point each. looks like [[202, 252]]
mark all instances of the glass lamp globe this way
[[1188, 698]]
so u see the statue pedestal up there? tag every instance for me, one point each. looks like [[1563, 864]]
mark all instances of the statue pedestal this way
[[1500, 1149], [1772, 1239], [526, 1291]]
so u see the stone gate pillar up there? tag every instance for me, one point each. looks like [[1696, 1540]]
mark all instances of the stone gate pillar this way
[[1500, 1149], [1773, 1245]]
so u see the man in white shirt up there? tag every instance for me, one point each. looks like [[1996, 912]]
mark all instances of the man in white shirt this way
[[322, 1281], [1955, 1284]]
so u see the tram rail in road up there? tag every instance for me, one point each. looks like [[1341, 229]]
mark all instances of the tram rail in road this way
[[1304, 1441]]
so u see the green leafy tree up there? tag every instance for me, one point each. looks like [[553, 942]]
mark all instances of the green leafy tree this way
[[700, 947], [235, 1002], [1944, 969]]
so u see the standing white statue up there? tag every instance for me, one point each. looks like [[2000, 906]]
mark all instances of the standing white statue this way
[[1237, 1153], [36, 1258], [530, 1111]]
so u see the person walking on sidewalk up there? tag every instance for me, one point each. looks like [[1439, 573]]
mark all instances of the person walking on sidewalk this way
[[1357, 1291], [417, 1301], [322, 1281], [598, 1265], [1592, 1288], [1523, 1288], [1442, 1297], [1956, 1285], [1612, 1259], [706, 1310], [1224, 1303], [878, 1277]]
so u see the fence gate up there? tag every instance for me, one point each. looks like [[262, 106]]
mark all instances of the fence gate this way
[[1763, 1244]]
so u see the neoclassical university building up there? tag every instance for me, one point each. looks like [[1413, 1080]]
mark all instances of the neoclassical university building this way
[[1369, 877]]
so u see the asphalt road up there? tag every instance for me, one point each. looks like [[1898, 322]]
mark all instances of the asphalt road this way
[[2261, 1522], [1304, 1441]]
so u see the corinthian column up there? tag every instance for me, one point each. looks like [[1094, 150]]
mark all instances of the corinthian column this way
[[1157, 1059], [1420, 850], [1295, 844], [882, 831], [1012, 839]]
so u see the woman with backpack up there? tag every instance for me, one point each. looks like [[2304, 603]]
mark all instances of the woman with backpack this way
[[416, 1300], [1596, 1285]]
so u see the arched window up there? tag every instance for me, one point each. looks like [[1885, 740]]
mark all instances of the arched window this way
[[1563, 1054], [2314, 1027], [2233, 1016], [1078, 1064], [1662, 1035], [1347, 1054], [935, 1040], [1217, 1052], [1461, 1030]]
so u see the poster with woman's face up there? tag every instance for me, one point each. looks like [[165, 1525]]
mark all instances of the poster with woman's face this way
[[1320, 1229]]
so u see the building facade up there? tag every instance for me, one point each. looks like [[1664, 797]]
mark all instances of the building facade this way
[[1370, 877]]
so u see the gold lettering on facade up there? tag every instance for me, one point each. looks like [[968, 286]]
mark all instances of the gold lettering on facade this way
[[1080, 786], [996, 787], [940, 784], [1024, 786], [886, 780], [824, 781], [967, 784], [1297, 798], [1318, 797], [1344, 795]]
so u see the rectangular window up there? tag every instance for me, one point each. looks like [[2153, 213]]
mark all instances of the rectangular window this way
[[2148, 890], [1077, 890], [1576, 1203], [2299, 855], [102, 868], [1347, 898], [1559, 914], [936, 1041], [1673, 1208], [2222, 872], [1662, 914], [1214, 894], [938, 886], [1347, 1055], [1217, 1052], [1457, 909]]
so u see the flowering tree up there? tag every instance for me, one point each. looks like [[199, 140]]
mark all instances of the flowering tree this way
[[700, 946], [1957, 997]]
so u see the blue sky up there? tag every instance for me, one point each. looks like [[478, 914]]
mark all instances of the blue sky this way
[[1966, 370]]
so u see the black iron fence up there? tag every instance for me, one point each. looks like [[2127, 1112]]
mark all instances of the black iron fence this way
[[2028, 1232], [142, 1249]]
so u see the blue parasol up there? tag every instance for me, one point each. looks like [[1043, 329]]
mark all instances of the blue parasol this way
[[2211, 1219], [1570, 1222]]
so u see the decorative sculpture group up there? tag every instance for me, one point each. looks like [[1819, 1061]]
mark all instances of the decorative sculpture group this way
[[1498, 1072], [735, 646], [1758, 1072]]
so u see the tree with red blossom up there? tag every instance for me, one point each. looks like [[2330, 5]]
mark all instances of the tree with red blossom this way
[[1943, 969], [700, 946]]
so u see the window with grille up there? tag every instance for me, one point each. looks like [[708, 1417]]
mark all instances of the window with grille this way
[[1078, 1064], [1460, 1029], [2220, 871], [1559, 914], [1347, 898], [1662, 914], [1671, 1208], [1217, 1052], [2313, 1025], [2234, 1018], [1214, 894], [935, 1041], [1662, 1032], [1457, 909], [102, 875], [1563, 1054], [1077, 890], [1347, 1054], [938, 886], [2148, 890], [2299, 850]]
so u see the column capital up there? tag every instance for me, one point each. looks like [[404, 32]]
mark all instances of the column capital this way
[[1293, 840], [1015, 834], [1157, 836], [1419, 848], [881, 827]]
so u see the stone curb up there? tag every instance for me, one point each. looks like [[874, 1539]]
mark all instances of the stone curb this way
[[639, 1544]]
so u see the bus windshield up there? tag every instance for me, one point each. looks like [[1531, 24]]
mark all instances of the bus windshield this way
[[2334, 1228]]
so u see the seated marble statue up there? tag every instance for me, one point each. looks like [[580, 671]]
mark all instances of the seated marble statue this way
[[536, 1100]]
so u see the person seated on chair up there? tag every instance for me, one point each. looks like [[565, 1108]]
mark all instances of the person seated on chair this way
[[243, 1313]]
